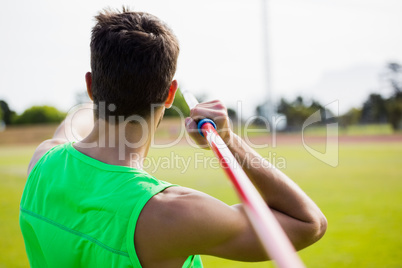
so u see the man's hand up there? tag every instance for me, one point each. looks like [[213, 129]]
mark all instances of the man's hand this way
[[214, 110]]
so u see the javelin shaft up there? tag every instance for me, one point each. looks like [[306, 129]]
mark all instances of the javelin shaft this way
[[270, 233], [190, 99]]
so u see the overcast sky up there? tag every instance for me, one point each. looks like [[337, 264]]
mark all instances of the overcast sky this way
[[329, 50]]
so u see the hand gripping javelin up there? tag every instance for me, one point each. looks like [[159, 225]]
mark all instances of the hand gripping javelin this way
[[267, 228]]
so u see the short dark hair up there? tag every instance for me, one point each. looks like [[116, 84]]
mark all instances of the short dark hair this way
[[133, 61]]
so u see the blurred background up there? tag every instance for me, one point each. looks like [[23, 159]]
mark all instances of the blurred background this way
[[322, 50], [266, 60]]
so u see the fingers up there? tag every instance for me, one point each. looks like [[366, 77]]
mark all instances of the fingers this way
[[192, 130], [214, 110]]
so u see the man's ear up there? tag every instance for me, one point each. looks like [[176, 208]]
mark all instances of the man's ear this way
[[88, 80], [172, 91]]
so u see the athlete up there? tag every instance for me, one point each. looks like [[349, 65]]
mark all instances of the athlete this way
[[89, 203]]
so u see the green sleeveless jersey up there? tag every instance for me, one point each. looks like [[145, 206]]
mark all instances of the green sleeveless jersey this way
[[79, 212]]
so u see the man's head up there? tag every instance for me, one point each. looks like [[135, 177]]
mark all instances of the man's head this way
[[133, 61]]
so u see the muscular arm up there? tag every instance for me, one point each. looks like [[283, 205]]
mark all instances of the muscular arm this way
[[180, 221], [78, 124], [298, 215]]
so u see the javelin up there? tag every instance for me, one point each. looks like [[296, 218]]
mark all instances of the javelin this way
[[267, 228]]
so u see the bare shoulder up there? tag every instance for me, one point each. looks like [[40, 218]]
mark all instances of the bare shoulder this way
[[179, 222], [42, 149]]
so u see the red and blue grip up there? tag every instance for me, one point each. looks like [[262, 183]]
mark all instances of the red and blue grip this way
[[204, 121]]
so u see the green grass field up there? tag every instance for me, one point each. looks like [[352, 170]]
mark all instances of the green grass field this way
[[362, 199]]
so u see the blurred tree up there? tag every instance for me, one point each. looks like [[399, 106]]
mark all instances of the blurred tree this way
[[352, 117], [394, 103], [316, 105], [40, 115], [394, 111], [374, 110], [298, 101], [232, 114], [7, 113], [395, 77], [2, 124], [298, 111], [259, 110]]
